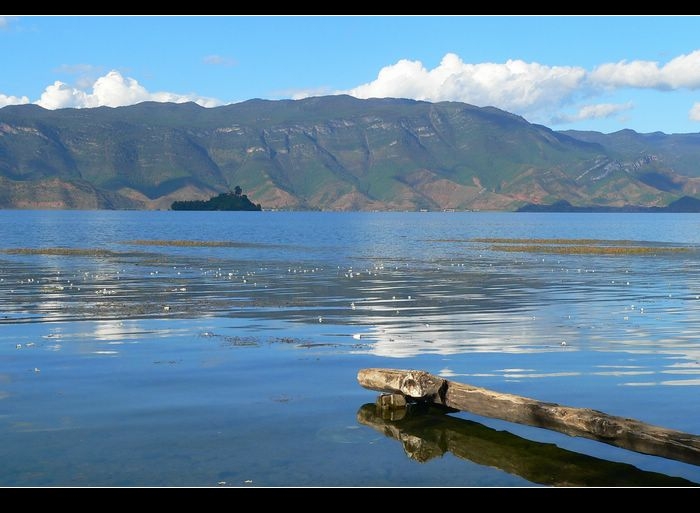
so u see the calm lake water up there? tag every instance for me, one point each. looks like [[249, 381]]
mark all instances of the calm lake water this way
[[206, 349]]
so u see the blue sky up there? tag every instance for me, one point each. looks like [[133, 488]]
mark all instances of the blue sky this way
[[566, 72]]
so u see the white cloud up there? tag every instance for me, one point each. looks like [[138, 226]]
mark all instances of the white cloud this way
[[112, 90], [694, 114], [60, 95], [602, 110], [84, 75], [306, 93], [515, 85], [537, 91], [680, 72], [526, 87], [596, 111], [218, 60], [77, 69], [6, 20], [12, 100]]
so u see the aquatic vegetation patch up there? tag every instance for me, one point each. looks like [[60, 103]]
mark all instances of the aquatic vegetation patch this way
[[195, 243], [575, 242], [90, 252], [253, 341], [241, 341], [182, 243], [285, 340], [593, 250], [578, 246]]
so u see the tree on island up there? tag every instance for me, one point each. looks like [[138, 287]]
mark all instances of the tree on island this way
[[235, 200]]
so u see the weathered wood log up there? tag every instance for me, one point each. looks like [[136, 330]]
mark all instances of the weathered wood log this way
[[420, 386], [426, 433], [391, 401]]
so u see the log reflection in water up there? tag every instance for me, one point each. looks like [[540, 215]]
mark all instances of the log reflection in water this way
[[426, 432]]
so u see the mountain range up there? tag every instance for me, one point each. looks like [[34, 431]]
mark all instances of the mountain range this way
[[332, 153]]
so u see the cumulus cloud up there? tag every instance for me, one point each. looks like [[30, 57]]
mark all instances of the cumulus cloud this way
[[526, 87], [60, 95], [218, 60], [596, 111], [536, 91], [680, 72], [694, 114], [112, 90], [515, 85], [12, 100]]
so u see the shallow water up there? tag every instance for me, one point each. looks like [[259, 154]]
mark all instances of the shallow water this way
[[130, 358]]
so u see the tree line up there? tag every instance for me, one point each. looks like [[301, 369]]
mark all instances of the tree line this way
[[232, 200]]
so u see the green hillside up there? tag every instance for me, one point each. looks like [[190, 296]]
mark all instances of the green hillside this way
[[330, 153]]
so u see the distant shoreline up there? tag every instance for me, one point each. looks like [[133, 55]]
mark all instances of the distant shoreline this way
[[685, 205]]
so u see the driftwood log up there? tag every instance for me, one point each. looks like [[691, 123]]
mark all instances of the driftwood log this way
[[420, 386], [426, 432]]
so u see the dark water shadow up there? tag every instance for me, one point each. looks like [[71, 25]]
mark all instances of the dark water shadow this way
[[426, 432]]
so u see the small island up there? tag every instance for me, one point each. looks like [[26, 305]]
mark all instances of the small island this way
[[232, 200]]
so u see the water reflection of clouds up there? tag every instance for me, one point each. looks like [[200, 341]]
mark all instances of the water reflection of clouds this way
[[622, 373], [458, 333], [517, 374], [55, 287], [439, 296], [682, 382], [676, 382], [119, 331], [679, 368], [507, 374], [52, 309], [611, 325], [115, 330], [540, 375]]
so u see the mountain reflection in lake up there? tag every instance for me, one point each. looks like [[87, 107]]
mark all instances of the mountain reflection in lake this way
[[91, 294]]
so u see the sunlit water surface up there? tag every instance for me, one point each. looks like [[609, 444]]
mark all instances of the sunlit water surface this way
[[222, 348]]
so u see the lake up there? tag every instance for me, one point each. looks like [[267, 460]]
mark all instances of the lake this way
[[221, 349]]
